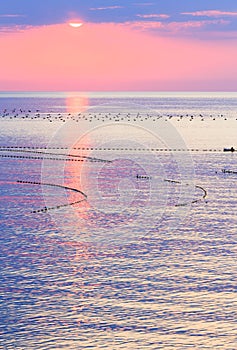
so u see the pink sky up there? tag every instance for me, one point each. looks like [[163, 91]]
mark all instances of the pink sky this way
[[109, 56]]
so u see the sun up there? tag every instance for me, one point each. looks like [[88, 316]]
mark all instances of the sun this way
[[75, 24]]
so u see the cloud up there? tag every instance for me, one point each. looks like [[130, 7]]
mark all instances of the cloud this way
[[144, 25], [210, 13], [175, 26], [106, 8], [174, 17], [195, 24], [13, 29], [11, 16], [154, 15]]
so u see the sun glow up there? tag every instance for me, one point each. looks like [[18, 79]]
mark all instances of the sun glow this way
[[75, 25]]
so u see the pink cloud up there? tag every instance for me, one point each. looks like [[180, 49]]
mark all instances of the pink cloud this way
[[144, 25], [174, 26], [211, 13], [194, 24], [13, 29]]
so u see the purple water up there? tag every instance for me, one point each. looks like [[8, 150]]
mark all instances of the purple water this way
[[118, 225]]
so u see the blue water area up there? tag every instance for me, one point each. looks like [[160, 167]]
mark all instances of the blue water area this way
[[115, 242]]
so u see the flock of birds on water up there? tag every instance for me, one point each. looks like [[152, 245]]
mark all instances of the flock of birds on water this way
[[39, 153], [103, 116]]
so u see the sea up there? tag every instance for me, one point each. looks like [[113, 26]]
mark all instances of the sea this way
[[118, 220]]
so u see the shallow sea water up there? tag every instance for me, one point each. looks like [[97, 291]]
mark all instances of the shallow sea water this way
[[118, 233]]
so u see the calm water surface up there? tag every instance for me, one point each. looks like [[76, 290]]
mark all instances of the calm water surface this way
[[118, 233]]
